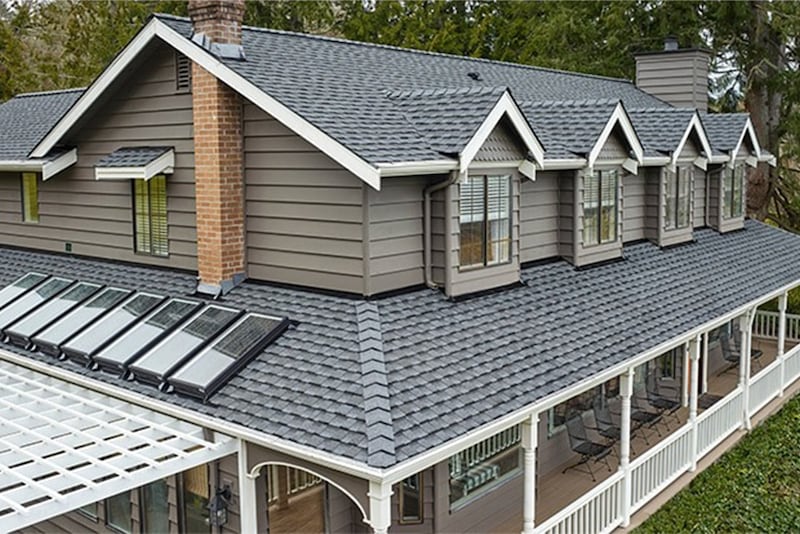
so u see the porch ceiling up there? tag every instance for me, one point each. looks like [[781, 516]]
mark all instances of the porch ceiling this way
[[63, 446]]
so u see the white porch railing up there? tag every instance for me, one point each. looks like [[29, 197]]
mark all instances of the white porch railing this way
[[792, 363], [660, 466], [764, 387], [766, 325], [600, 510], [718, 422]]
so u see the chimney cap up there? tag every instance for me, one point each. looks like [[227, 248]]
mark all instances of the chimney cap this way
[[671, 44]]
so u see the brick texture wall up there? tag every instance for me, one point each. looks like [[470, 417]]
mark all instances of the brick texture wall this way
[[218, 153]]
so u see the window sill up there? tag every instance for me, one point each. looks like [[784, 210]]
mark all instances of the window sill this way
[[473, 268]]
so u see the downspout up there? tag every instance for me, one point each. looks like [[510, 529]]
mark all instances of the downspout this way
[[426, 231]]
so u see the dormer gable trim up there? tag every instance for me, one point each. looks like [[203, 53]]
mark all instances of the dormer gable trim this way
[[748, 132], [695, 125], [505, 107], [619, 117]]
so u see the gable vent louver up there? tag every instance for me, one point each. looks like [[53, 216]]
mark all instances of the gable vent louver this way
[[183, 73]]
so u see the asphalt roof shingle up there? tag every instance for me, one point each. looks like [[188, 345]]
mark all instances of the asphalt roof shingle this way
[[724, 129], [133, 156], [660, 129], [27, 118], [451, 367]]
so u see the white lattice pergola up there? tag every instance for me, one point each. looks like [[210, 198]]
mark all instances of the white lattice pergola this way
[[63, 446]]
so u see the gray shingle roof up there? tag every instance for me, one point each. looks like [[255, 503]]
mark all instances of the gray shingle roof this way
[[133, 156], [340, 86], [27, 118], [724, 129], [451, 367], [660, 129], [571, 125]]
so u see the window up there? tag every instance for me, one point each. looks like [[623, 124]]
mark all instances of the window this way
[[118, 512], [600, 201], [30, 197], [732, 192], [194, 500], [481, 467], [410, 497], [666, 365], [678, 198], [580, 403], [485, 220], [154, 507], [90, 511], [150, 216]]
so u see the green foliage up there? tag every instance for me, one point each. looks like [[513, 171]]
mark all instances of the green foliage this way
[[752, 488]]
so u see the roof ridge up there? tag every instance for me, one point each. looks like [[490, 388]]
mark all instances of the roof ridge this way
[[377, 406], [571, 102], [53, 92], [446, 91], [417, 51]]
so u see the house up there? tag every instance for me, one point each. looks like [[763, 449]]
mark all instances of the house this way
[[255, 280]]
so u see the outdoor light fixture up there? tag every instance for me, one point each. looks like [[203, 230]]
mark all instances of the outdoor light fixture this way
[[218, 507]]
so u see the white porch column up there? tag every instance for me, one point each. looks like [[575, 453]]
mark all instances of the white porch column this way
[[782, 338], [625, 391], [745, 327], [695, 347], [248, 507], [380, 507], [530, 440], [685, 378], [705, 363]]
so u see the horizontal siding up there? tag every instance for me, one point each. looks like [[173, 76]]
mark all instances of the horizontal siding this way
[[396, 233], [566, 215], [538, 214], [700, 193], [304, 211], [616, 146], [678, 78], [503, 144], [634, 206], [653, 196], [97, 217]]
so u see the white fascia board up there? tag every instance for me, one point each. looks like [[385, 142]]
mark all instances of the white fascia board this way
[[631, 165], [415, 465], [410, 168], [505, 106], [747, 131], [719, 158], [769, 159], [528, 170], [564, 164], [656, 161], [619, 116], [338, 463], [164, 164], [696, 125], [701, 163], [56, 165], [155, 28], [21, 165]]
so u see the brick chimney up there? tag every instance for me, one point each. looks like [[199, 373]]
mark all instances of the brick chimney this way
[[218, 158], [676, 75]]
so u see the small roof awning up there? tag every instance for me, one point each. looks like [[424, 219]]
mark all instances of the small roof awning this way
[[140, 162], [63, 446], [55, 162]]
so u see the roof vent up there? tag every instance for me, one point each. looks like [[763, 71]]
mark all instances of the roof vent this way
[[671, 44], [475, 76]]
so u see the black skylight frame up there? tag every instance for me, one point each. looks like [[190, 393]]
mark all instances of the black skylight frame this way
[[207, 390], [48, 344], [48, 314], [120, 366], [103, 332], [31, 300], [19, 287], [148, 376]]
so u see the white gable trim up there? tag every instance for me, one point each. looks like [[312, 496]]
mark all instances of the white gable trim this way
[[164, 164], [408, 168], [48, 168], [155, 28], [748, 130], [619, 116], [505, 106], [697, 126]]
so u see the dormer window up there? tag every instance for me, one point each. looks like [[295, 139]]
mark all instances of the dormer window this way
[[485, 221], [678, 198], [600, 207], [732, 188]]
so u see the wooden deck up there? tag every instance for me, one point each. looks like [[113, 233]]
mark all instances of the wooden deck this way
[[304, 515], [556, 490]]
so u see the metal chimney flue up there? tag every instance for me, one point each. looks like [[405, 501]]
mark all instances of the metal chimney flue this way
[[671, 44]]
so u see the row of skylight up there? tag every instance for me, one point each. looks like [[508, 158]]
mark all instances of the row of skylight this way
[[173, 343]]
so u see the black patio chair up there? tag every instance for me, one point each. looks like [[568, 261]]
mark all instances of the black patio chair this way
[[755, 354], [668, 405], [644, 418], [590, 451], [605, 425]]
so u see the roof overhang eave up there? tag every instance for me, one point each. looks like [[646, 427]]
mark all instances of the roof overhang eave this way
[[564, 164], [163, 164], [48, 167], [410, 168]]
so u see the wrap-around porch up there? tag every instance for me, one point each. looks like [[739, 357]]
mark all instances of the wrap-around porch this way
[[712, 386]]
